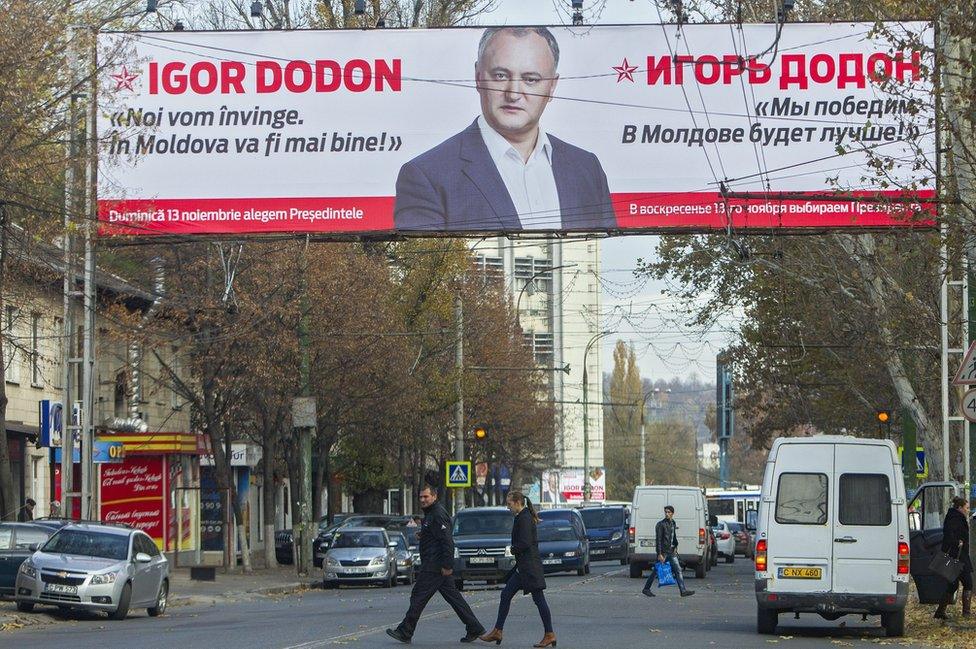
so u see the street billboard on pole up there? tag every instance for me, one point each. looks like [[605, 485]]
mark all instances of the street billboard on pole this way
[[474, 130]]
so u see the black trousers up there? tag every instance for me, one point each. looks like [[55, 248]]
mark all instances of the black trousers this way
[[424, 588]]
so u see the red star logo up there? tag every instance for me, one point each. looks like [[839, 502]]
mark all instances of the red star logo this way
[[625, 71], [124, 79]]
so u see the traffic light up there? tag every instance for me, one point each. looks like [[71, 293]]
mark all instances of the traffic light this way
[[884, 422], [480, 433]]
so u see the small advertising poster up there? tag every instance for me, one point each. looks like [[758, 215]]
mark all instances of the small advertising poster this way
[[134, 493]]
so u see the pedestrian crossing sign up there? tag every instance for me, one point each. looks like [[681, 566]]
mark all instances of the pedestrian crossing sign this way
[[458, 474]]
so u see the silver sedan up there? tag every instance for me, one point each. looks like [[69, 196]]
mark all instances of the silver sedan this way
[[96, 567], [360, 555]]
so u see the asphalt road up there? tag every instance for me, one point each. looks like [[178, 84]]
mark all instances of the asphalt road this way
[[601, 611]]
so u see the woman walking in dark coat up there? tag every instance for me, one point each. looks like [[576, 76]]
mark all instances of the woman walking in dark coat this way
[[955, 543], [527, 574]]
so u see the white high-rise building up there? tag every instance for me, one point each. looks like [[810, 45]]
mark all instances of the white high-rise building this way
[[555, 285]]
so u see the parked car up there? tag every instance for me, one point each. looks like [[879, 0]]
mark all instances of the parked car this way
[[690, 516], [724, 541], [606, 528], [18, 541], [285, 546], [360, 555], [404, 557], [561, 547], [743, 539], [833, 532], [574, 518], [482, 538], [96, 567]]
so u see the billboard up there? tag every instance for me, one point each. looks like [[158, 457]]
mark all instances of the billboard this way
[[474, 130], [565, 486]]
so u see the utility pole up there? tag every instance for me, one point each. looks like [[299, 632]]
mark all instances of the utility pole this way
[[304, 420], [586, 417], [459, 388], [87, 414]]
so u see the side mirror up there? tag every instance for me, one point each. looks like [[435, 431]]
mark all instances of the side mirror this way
[[142, 557], [393, 544], [34, 547]]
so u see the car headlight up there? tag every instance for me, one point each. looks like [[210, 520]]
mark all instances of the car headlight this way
[[574, 553], [329, 561], [508, 551], [617, 536], [377, 561], [104, 578], [28, 569]]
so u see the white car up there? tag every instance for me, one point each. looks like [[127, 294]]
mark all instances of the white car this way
[[724, 541]]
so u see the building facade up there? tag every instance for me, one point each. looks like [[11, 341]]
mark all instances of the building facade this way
[[554, 285]]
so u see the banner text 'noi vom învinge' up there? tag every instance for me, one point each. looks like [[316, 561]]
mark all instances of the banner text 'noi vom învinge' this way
[[477, 130]]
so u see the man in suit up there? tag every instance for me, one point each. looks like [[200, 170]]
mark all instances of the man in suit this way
[[504, 172]]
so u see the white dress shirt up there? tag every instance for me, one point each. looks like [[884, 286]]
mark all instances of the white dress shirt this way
[[531, 184]]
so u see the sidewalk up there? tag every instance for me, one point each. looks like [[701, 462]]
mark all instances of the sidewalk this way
[[183, 591]]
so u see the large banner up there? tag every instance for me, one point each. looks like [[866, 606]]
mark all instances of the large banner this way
[[565, 486], [506, 130]]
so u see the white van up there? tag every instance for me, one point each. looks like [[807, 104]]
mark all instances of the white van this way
[[690, 515], [832, 534]]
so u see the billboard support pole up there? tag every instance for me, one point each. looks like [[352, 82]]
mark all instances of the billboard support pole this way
[[459, 387], [87, 414]]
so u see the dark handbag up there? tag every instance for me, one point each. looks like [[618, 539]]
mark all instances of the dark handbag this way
[[949, 568]]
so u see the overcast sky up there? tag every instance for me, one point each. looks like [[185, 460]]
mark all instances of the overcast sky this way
[[633, 307]]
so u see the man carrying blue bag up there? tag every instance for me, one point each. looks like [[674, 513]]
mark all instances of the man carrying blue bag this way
[[667, 555]]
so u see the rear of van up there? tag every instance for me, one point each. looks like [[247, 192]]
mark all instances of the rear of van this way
[[689, 516], [833, 531]]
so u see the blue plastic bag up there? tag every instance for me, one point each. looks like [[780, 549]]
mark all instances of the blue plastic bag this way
[[665, 577]]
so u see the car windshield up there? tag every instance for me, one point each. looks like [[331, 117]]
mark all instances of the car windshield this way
[[556, 533], [735, 528], [483, 524], [597, 518], [556, 515], [89, 544], [358, 540]]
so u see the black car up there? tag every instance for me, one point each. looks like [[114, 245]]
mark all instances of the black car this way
[[285, 546], [562, 547], [482, 539], [575, 519], [606, 528], [18, 542]]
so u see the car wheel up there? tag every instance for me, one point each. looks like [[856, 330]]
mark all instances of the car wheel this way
[[766, 620], [25, 607], [328, 585], [700, 570], [123, 608], [161, 599], [894, 623], [635, 571]]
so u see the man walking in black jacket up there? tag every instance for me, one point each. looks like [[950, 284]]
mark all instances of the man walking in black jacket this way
[[666, 533], [436, 572]]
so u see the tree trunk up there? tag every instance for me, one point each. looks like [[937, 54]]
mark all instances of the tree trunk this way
[[268, 496], [8, 507], [317, 477]]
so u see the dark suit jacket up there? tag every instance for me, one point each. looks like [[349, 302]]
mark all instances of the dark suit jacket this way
[[456, 187]]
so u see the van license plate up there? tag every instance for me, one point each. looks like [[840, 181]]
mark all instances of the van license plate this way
[[801, 573], [552, 562], [481, 560]]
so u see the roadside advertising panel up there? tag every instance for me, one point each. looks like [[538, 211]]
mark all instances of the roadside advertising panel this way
[[565, 486], [468, 130], [134, 493]]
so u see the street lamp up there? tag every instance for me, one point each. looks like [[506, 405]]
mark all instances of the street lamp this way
[[643, 442], [586, 422], [531, 283]]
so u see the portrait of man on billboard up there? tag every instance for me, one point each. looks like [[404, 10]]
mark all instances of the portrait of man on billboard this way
[[505, 172]]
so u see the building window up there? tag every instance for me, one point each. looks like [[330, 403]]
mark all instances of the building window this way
[[35, 353], [11, 364], [119, 395], [543, 352]]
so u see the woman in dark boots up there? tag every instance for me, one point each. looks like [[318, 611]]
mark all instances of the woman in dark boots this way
[[955, 543], [527, 575]]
